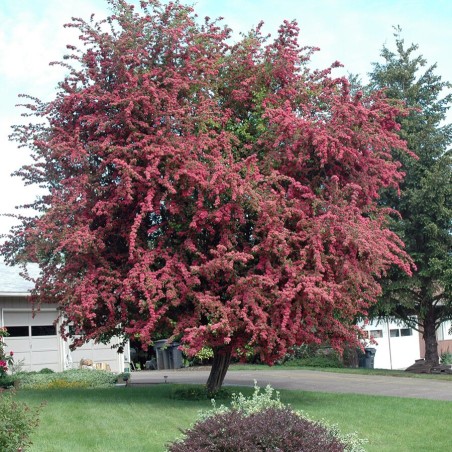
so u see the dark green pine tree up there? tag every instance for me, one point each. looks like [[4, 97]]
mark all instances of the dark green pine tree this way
[[425, 201]]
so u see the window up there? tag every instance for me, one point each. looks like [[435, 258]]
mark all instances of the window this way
[[71, 330], [43, 330], [17, 331], [401, 332], [376, 333]]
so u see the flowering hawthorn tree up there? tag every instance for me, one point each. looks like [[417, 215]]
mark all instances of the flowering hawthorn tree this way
[[225, 195]]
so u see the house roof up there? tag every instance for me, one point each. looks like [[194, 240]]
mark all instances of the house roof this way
[[11, 283]]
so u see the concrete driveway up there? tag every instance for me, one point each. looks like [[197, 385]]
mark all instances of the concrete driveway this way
[[309, 380]]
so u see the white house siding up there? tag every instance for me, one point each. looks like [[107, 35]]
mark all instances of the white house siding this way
[[444, 334], [397, 344], [34, 343], [100, 354]]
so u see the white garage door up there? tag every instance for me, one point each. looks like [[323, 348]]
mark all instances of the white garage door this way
[[33, 340]]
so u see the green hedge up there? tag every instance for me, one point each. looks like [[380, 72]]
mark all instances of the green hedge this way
[[74, 378]]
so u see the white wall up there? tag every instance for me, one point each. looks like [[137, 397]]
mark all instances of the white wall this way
[[397, 344], [445, 331], [98, 353], [51, 351]]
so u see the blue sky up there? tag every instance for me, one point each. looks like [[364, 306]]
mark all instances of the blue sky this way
[[351, 31]]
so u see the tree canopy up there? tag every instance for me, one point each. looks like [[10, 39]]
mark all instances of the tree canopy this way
[[425, 202], [218, 194]]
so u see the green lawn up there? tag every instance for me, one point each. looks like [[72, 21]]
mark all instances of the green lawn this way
[[342, 370], [145, 418]]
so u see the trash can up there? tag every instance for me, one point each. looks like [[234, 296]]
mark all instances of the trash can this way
[[168, 355], [367, 359]]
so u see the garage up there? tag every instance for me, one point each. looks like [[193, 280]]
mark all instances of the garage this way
[[33, 340]]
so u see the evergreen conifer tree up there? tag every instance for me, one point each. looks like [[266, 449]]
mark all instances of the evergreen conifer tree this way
[[425, 199]]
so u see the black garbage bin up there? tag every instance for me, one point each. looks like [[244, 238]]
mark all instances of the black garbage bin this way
[[367, 359], [168, 355]]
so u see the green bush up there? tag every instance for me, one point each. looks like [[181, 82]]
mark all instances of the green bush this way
[[202, 358], [195, 392], [312, 355], [446, 358], [330, 361], [82, 378], [17, 422], [6, 381]]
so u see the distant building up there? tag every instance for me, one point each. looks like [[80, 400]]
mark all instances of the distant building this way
[[35, 339], [398, 345]]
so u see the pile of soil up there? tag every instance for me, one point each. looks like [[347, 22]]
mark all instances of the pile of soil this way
[[421, 366]]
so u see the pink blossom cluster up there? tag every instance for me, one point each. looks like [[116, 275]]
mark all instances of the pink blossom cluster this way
[[5, 360], [3, 367]]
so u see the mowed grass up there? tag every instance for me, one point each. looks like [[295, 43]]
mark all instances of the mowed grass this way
[[342, 370], [109, 419], [146, 418], [389, 423]]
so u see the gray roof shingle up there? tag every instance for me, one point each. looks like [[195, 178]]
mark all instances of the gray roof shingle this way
[[12, 282]]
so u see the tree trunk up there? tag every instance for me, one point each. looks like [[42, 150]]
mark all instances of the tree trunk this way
[[220, 365], [431, 343]]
